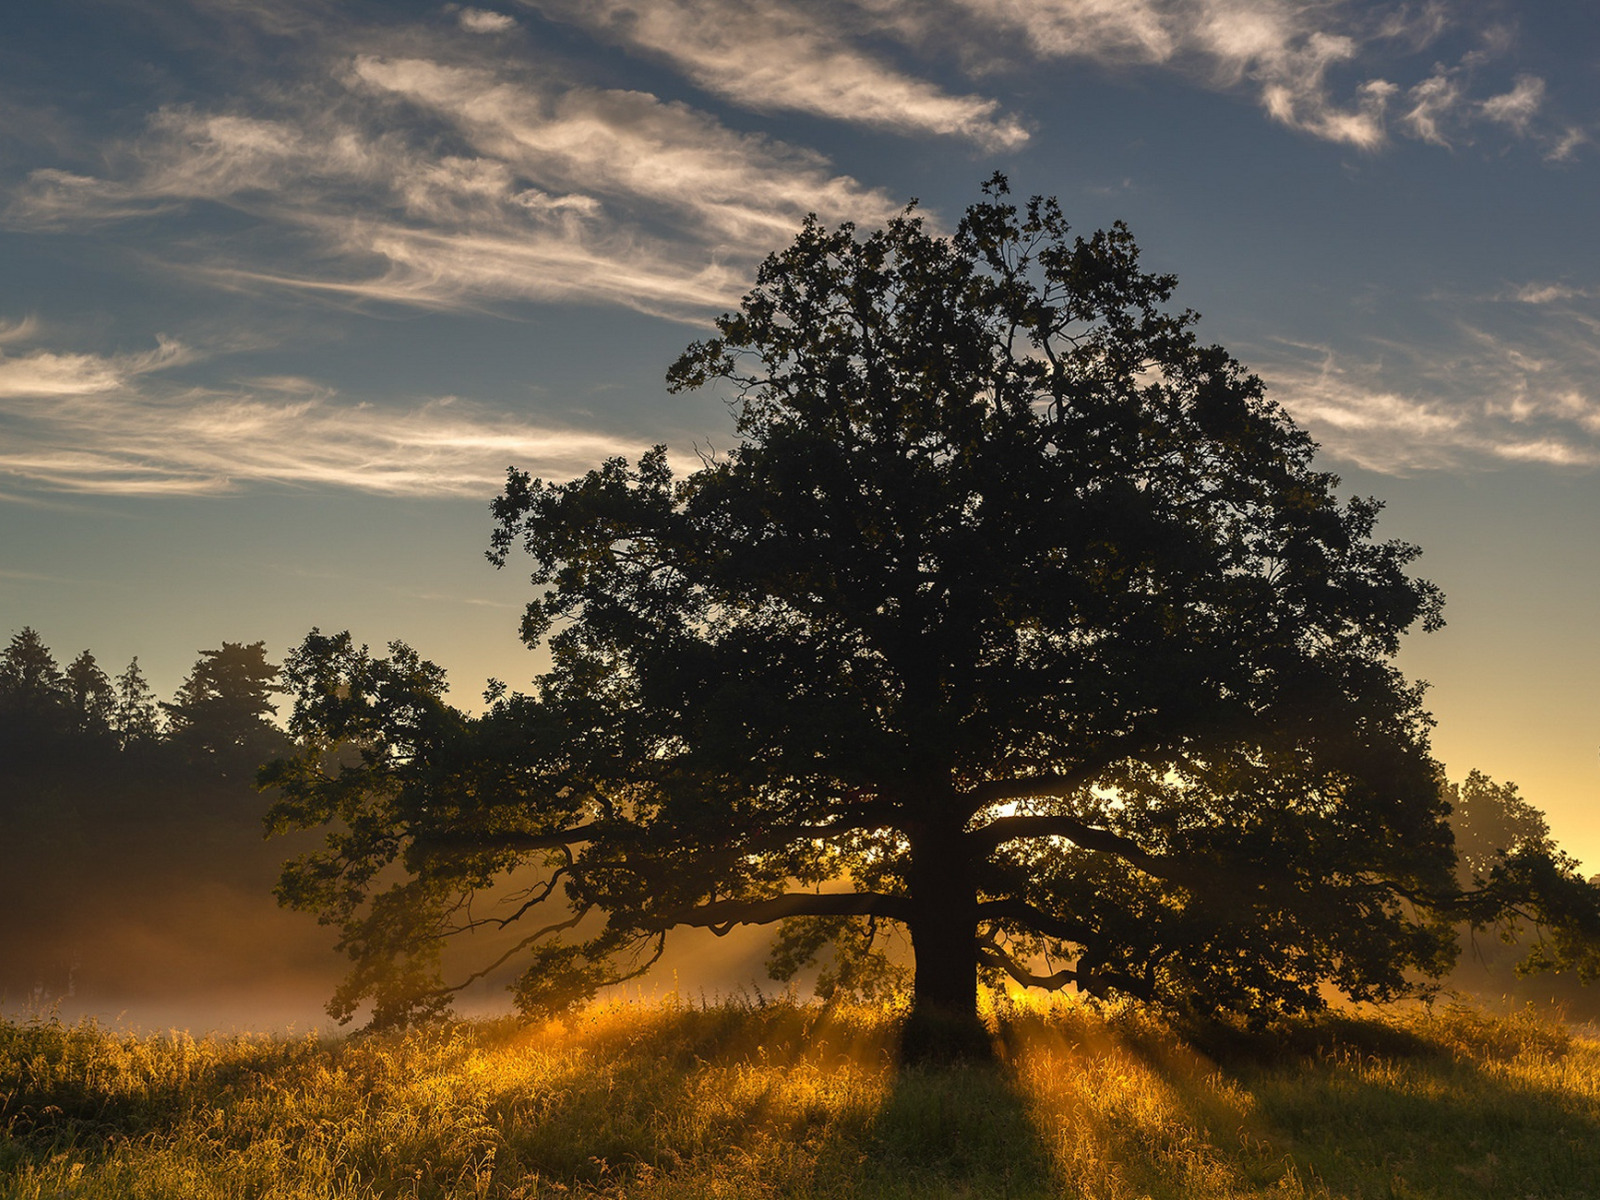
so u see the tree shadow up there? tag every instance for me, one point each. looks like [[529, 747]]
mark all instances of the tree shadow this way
[[786, 1100], [1507, 1116], [958, 1130], [1341, 1109]]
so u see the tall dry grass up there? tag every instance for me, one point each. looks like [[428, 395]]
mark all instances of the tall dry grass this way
[[785, 1100]]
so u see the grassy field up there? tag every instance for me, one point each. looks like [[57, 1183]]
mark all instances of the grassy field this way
[[781, 1100]]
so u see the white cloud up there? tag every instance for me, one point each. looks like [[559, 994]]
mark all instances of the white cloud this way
[[1433, 101], [126, 439], [1523, 394], [1519, 106], [1285, 51], [90, 423], [545, 193], [41, 373], [478, 20], [749, 190], [22, 330], [1303, 60], [1545, 293], [1564, 145], [1356, 420], [767, 55]]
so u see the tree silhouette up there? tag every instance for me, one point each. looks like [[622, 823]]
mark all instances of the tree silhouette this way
[[1516, 881], [34, 703], [107, 827], [1017, 617], [221, 714], [91, 699], [135, 717], [1493, 823], [30, 679]]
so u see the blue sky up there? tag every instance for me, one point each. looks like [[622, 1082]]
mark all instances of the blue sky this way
[[289, 285]]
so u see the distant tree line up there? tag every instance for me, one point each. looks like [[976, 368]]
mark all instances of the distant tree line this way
[[114, 804], [219, 720]]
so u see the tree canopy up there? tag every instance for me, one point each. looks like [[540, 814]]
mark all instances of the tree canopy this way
[[1017, 617]]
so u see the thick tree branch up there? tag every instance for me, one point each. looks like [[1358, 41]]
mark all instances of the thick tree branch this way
[[996, 955], [474, 841], [1036, 920], [1199, 876], [722, 915]]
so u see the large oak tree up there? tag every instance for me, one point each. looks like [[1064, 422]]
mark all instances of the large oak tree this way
[[1017, 617]]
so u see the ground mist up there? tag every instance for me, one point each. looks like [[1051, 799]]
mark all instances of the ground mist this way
[[756, 1099]]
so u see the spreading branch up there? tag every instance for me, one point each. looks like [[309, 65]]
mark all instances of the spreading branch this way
[[477, 841], [1016, 911], [1187, 872], [722, 915], [996, 955]]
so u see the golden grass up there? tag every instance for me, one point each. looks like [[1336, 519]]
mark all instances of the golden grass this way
[[783, 1100]]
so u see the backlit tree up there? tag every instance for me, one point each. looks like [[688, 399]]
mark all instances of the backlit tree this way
[[1017, 617]]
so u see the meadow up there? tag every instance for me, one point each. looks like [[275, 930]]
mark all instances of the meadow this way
[[757, 1098]]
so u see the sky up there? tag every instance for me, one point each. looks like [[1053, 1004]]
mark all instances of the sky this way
[[288, 284]]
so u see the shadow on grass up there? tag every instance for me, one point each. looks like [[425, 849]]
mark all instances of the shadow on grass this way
[[955, 1131], [1446, 1107], [1479, 1108], [779, 1102]]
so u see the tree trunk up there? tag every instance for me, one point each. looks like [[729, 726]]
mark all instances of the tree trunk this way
[[944, 1024]]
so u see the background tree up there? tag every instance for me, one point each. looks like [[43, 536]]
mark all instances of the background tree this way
[[135, 717], [91, 700], [1525, 891], [123, 855], [222, 712], [1017, 617], [33, 694], [1492, 824]]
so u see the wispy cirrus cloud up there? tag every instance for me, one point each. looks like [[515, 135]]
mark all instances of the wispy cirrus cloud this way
[[1430, 106], [1498, 391], [1356, 419], [45, 373], [1518, 107], [768, 55], [415, 180], [1286, 52], [20, 330], [748, 192], [82, 423], [1547, 293]]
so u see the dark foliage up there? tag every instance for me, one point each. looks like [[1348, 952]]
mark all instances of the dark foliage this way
[[105, 815], [222, 714]]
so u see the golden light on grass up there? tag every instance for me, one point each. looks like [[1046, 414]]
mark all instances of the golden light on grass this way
[[777, 1099]]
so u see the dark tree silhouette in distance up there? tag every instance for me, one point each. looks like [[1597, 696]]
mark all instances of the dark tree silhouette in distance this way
[[221, 716], [1017, 617], [33, 692]]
